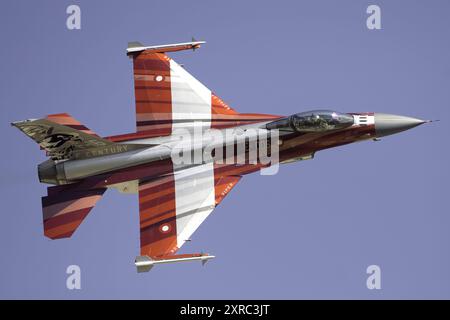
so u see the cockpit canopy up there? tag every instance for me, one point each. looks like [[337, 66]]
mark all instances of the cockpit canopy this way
[[313, 121]]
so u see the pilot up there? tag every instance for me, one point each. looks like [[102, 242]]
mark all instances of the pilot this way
[[319, 122]]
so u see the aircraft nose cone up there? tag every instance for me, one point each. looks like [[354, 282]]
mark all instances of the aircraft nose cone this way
[[386, 124]]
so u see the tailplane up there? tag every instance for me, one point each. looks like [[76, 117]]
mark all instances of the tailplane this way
[[65, 207]]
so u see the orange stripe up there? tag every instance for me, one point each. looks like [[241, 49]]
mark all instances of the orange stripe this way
[[69, 206], [157, 95], [160, 247], [156, 194], [147, 107], [158, 219], [166, 206], [70, 227]]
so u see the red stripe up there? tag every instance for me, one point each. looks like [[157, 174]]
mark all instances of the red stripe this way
[[153, 96], [155, 217], [66, 218], [154, 241], [61, 236], [155, 188]]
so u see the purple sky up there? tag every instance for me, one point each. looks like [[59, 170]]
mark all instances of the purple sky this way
[[308, 232]]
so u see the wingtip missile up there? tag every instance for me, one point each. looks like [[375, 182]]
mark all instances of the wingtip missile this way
[[145, 263], [136, 47]]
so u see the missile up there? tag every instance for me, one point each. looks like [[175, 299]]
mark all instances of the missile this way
[[145, 263], [136, 47]]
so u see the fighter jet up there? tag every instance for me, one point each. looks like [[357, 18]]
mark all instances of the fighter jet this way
[[176, 115]]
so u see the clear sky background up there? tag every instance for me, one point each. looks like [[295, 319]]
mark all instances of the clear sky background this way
[[308, 232]]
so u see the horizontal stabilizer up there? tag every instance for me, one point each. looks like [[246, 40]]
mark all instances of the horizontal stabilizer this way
[[145, 263], [64, 209]]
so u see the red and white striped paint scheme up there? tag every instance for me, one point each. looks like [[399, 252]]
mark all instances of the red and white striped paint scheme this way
[[152, 90], [157, 208], [64, 209], [173, 199], [168, 97], [173, 207]]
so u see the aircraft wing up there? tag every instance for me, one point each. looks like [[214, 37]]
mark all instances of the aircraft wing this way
[[167, 96], [173, 207]]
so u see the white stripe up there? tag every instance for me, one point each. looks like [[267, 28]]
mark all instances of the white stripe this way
[[194, 190], [363, 120], [190, 98]]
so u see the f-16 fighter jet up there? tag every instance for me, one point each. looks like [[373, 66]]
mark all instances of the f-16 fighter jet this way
[[189, 150]]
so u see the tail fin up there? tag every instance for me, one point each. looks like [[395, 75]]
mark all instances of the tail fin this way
[[61, 135], [67, 120], [65, 207]]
